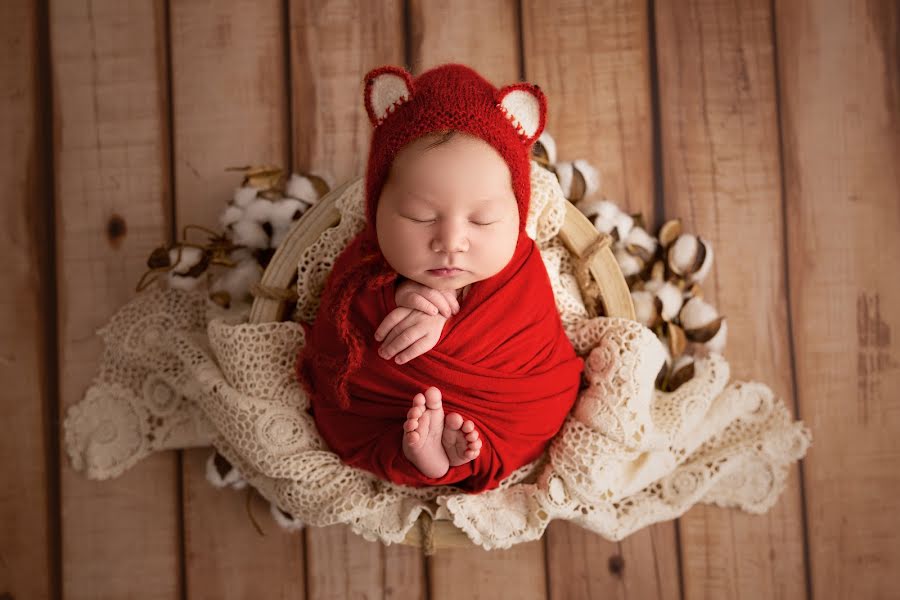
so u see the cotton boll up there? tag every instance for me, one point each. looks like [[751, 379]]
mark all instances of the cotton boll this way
[[623, 222], [638, 236], [592, 208], [546, 141], [629, 263], [238, 280], [189, 257], [284, 214], [231, 215], [301, 188], [602, 213], [186, 271], [286, 211], [260, 210], [669, 294], [565, 173], [590, 174], [250, 233], [285, 520], [244, 195], [644, 308]]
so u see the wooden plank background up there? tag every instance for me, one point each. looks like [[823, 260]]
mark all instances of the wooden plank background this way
[[771, 128]]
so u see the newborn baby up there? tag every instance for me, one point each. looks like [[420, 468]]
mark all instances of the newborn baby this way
[[437, 355], [447, 218]]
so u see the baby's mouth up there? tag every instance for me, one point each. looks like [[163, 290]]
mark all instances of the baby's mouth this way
[[445, 271]]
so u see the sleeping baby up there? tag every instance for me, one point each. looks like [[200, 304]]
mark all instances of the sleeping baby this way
[[437, 356]]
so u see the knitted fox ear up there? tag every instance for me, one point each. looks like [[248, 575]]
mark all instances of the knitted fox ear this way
[[525, 106], [386, 88]]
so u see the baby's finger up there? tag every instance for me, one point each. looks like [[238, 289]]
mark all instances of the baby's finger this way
[[437, 299], [417, 349], [423, 304], [390, 321], [401, 342], [450, 296], [408, 321]]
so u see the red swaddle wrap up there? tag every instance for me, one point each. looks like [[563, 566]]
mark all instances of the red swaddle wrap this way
[[502, 361]]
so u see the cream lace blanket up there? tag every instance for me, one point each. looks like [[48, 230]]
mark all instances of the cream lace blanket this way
[[180, 372]]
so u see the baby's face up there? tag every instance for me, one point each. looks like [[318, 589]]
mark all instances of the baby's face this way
[[451, 205]]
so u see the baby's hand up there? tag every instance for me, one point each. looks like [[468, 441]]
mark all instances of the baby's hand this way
[[409, 332], [428, 300]]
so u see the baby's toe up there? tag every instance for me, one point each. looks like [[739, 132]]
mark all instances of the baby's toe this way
[[412, 437], [433, 397], [411, 425], [415, 412], [419, 400], [472, 436], [453, 421], [468, 426]]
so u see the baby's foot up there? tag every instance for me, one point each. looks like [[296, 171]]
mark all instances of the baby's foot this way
[[460, 440], [422, 437]]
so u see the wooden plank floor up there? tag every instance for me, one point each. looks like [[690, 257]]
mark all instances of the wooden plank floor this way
[[771, 128]]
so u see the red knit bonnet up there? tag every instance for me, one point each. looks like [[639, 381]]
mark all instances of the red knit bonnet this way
[[450, 96]]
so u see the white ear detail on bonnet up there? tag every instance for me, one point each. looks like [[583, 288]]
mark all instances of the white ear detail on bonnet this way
[[386, 88], [525, 106]]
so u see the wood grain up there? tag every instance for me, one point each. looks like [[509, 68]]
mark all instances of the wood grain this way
[[721, 165], [229, 94], [332, 47], [840, 89], [28, 506], [111, 176], [593, 62]]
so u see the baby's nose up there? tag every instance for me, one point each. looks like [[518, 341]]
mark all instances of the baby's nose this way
[[450, 238]]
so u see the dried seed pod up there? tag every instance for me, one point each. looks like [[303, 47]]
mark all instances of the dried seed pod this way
[[640, 243], [189, 263], [658, 271], [690, 257], [703, 324], [221, 298], [589, 175], [159, 258], [675, 338], [544, 149], [577, 179], [264, 178], [662, 377], [669, 232], [682, 371]]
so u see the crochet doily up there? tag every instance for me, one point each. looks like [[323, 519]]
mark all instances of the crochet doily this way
[[178, 371]]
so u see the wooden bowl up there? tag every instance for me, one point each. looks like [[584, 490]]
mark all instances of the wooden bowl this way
[[602, 285]]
